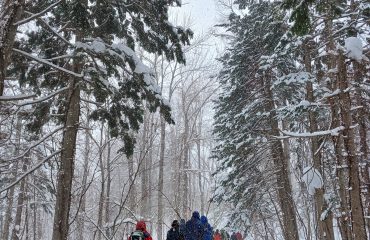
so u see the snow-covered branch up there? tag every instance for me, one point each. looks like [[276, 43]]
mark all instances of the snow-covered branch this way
[[51, 29], [36, 144], [16, 97], [332, 132], [36, 15], [29, 171], [43, 61], [43, 98]]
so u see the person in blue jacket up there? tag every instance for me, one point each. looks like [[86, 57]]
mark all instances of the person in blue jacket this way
[[207, 229], [194, 229], [182, 227]]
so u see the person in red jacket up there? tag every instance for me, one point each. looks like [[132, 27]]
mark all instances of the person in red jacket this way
[[217, 235], [140, 233], [239, 236]]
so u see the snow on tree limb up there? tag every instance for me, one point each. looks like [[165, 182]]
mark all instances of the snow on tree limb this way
[[332, 132], [43, 61], [36, 15], [25, 96], [43, 98], [354, 48], [51, 29], [16, 97], [29, 171], [36, 144]]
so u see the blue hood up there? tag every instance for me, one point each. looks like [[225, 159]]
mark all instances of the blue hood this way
[[204, 219], [196, 215]]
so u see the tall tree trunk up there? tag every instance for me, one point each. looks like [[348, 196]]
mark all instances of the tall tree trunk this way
[[150, 165], [161, 179], [144, 168], [65, 173], [26, 222], [358, 220], [80, 219], [11, 11], [132, 198], [39, 226], [325, 224], [198, 142], [361, 118], [343, 219], [185, 168], [102, 186], [178, 179], [8, 214], [284, 188], [21, 198], [109, 182], [34, 217]]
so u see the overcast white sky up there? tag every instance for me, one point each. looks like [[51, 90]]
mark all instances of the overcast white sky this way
[[202, 12]]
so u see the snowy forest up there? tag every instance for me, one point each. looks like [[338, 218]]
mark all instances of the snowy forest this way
[[119, 111]]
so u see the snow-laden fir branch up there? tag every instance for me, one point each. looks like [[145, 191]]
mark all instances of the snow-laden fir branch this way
[[29, 171], [25, 96], [52, 30], [43, 61], [332, 132], [36, 15], [43, 98]]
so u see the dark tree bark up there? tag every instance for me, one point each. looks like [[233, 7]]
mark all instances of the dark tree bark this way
[[358, 220], [11, 11], [65, 172], [283, 185], [20, 203]]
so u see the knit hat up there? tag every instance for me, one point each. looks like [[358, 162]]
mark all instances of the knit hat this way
[[196, 215], [175, 223]]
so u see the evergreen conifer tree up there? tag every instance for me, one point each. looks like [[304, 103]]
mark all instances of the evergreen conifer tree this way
[[88, 48]]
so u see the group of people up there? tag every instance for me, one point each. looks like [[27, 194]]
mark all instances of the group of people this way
[[197, 228], [223, 235]]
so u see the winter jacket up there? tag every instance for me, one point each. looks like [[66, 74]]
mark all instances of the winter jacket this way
[[141, 226], [233, 236], [217, 236], [182, 227], [174, 234], [194, 229], [239, 236], [225, 235], [207, 229]]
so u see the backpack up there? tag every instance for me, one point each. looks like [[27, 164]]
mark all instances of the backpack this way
[[137, 235]]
